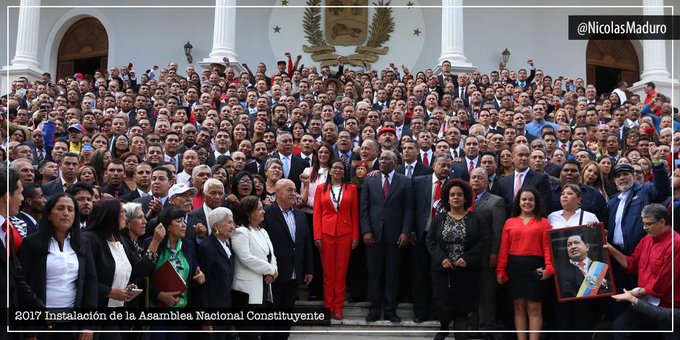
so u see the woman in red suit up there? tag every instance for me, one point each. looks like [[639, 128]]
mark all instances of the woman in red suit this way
[[336, 233]]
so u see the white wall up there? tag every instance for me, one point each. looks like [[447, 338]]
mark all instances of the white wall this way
[[148, 36]]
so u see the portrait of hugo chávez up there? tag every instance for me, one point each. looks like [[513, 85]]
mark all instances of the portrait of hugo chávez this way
[[581, 263]]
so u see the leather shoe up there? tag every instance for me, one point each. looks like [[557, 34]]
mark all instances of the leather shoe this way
[[394, 319], [371, 318]]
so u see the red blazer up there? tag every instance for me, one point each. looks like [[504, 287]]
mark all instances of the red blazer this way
[[332, 222]]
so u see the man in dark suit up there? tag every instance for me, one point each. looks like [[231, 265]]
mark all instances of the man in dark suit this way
[[37, 147], [292, 165], [427, 199], [69, 174], [446, 72], [491, 211], [32, 207], [412, 167], [161, 181], [470, 160], [20, 293], [522, 177], [289, 234], [386, 223], [213, 193], [142, 178], [115, 183]]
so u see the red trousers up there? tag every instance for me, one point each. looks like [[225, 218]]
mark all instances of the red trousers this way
[[335, 253]]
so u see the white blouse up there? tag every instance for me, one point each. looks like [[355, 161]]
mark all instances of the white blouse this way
[[557, 219], [61, 275], [121, 276]]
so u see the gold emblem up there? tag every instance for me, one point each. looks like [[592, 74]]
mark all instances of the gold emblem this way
[[347, 24]]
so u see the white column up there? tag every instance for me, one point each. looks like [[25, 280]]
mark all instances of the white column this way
[[28, 29], [452, 35], [224, 32], [654, 51], [654, 57]]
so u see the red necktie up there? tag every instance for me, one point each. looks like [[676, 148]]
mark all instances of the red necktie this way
[[472, 207], [582, 267], [437, 196], [472, 167], [425, 161], [386, 186], [564, 147]]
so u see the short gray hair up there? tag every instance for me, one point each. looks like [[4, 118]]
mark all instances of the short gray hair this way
[[198, 168], [212, 182], [268, 164], [15, 163], [218, 215]]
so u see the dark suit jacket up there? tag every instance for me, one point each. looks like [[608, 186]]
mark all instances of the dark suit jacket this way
[[422, 199], [491, 213], [30, 226], [33, 255], [461, 170], [506, 185], [145, 201], [419, 170], [106, 265], [454, 79], [130, 196], [218, 269], [386, 216], [35, 152], [52, 187], [195, 217], [115, 192], [20, 293], [290, 255]]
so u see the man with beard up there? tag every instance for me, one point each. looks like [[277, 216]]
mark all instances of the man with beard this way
[[142, 177], [84, 195], [280, 119], [625, 226], [32, 207], [115, 175], [387, 137], [260, 153]]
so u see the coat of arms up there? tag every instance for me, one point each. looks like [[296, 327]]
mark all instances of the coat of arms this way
[[346, 23]]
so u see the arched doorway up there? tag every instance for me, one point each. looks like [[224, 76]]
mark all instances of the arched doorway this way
[[611, 61], [84, 48]]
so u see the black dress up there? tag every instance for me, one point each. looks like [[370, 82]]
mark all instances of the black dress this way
[[456, 289]]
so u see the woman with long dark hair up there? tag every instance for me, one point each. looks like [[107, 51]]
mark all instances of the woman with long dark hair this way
[[456, 240], [336, 233], [59, 264], [524, 261], [241, 186]]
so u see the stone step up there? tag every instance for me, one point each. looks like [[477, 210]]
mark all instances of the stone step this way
[[360, 309]]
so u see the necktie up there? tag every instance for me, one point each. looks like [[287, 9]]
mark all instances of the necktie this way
[[173, 160], [582, 267], [425, 161], [564, 147], [409, 171], [455, 153], [437, 196], [472, 206], [521, 84], [518, 184], [286, 166], [41, 156], [462, 90], [472, 167], [386, 186], [344, 158]]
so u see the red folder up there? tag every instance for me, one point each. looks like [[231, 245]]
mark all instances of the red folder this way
[[166, 279]]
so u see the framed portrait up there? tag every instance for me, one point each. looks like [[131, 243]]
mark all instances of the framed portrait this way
[[582, 266]]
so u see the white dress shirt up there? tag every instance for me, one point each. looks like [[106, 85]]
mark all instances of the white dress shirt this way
[[557, 219]]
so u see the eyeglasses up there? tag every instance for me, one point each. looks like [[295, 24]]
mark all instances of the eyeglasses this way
[[649, 224], [245, 181]]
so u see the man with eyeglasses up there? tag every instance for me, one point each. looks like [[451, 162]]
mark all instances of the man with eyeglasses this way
[[651, 261]]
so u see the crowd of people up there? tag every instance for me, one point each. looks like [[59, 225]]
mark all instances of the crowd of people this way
[[384, 186]]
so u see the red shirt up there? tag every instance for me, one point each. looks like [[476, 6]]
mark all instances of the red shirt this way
[[198, 201], [651, 261], [524, 240]]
